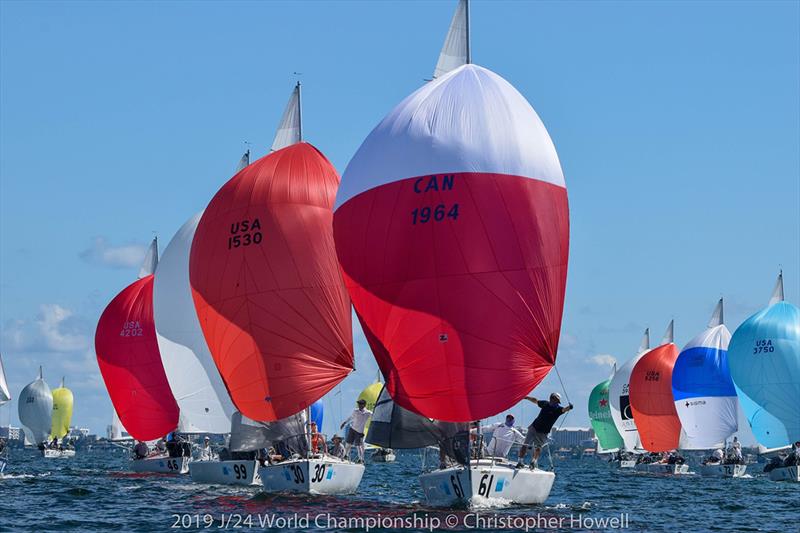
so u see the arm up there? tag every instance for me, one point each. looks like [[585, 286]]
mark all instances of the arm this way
[[568, 408], [531, 399], [348, 419]]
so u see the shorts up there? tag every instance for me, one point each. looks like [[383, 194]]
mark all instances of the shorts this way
[[535, 438], [354, 438]]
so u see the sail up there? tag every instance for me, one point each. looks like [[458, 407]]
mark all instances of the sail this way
[[248, 435], [703, 390], [35, 406], [267, 287], [290, 128], [115, 431], [127, 353], [600, 417], [150, 260], [317, 414], [243, 162], [461, 191], [651, 397], [193, 377], [619, 397], [395, 427], [62, 411], [764, 360], [455, 51], [370, 395], [768, 430], [5, 394]]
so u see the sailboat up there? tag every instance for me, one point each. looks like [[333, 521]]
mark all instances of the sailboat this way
[[764, 360], [271, 300], [370, 395], [620, 404], [704, 395], [61, 417], [653, 406], [131, 366], [608, 438], [35, 411], [5, 397], [461, 191]]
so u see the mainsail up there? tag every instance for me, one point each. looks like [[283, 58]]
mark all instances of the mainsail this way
[[62, 411], [619, 397], [395, 427], [461, 190], [150, 260], [130, 363], [651, 397], [267, 286], [193, 377], [115, 431], [764, 359], [248, 435], [600, 417], [456, 49], [290, 128], [702, 388], [35, 406], [5, 394], [243, 162]]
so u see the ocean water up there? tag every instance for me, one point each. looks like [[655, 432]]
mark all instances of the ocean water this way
[[94, 492]]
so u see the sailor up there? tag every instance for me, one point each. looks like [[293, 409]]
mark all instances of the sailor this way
[[316, 438], [337, 449], [206, 453], [503, 437], [716, 457], [355, 434], [540, 428], [2, 445], [140, 451], [161, 446], [735, 452], [54, 443], [793, 459]]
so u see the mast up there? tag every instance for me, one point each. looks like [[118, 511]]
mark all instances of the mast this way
[[469, 45], [299, 113]]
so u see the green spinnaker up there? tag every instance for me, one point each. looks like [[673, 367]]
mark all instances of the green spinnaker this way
[[600, 415]]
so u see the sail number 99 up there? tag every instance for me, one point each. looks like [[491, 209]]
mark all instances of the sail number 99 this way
[[437, 214]]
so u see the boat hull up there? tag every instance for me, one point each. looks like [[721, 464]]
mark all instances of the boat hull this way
[[723, 470], [225, 472], [662, 468], [161, 465], [58, 454], [785, 473], [312, 476], [485, 481], [383, 458], [630, 463]]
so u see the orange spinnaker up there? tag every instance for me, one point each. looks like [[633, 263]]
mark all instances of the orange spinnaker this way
[[652, 402], [267, 286]]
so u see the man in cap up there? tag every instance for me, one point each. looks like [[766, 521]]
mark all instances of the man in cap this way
[[206, 453], [503, 437], [337, 449], [540, 428], [355, 434]]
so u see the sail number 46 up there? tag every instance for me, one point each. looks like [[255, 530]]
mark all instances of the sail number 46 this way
[[437, 214]]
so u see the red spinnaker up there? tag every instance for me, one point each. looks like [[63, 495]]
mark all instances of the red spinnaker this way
[[130, 363], [453, 235], [652, 402], [267, 286]]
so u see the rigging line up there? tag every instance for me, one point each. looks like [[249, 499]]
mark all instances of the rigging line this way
[[566, 395]]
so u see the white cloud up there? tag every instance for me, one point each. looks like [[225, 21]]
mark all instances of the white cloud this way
[[101, 252], [54, 329], [604, 360]]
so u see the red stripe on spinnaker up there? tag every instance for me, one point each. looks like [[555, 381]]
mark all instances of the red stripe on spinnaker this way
[[652, 402], [130, 363], [458, 281], [267, 286]]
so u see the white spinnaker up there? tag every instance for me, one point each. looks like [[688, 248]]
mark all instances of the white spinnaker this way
[[290, 128], [619, 397], [36, 410], [455, 51], [5, 394], [150, 261], [707, 415], [469, 120], [205, 406]]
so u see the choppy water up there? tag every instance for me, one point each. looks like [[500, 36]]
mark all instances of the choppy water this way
[[93, 492]]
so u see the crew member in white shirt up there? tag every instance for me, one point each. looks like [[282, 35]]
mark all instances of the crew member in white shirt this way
[[355, 434], [503, 437]]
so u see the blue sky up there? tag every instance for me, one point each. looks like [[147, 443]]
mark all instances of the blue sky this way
[[677, 125]]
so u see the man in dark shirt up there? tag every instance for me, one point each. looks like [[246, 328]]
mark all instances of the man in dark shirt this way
[[540, 428]]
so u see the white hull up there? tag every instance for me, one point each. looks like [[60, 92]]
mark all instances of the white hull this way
[[785, 473], [58, 454], [630, 463], [383, 458], [485, 481], [161, 465], [723, 470], [662, 468], [313, 476], [225, 472]]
